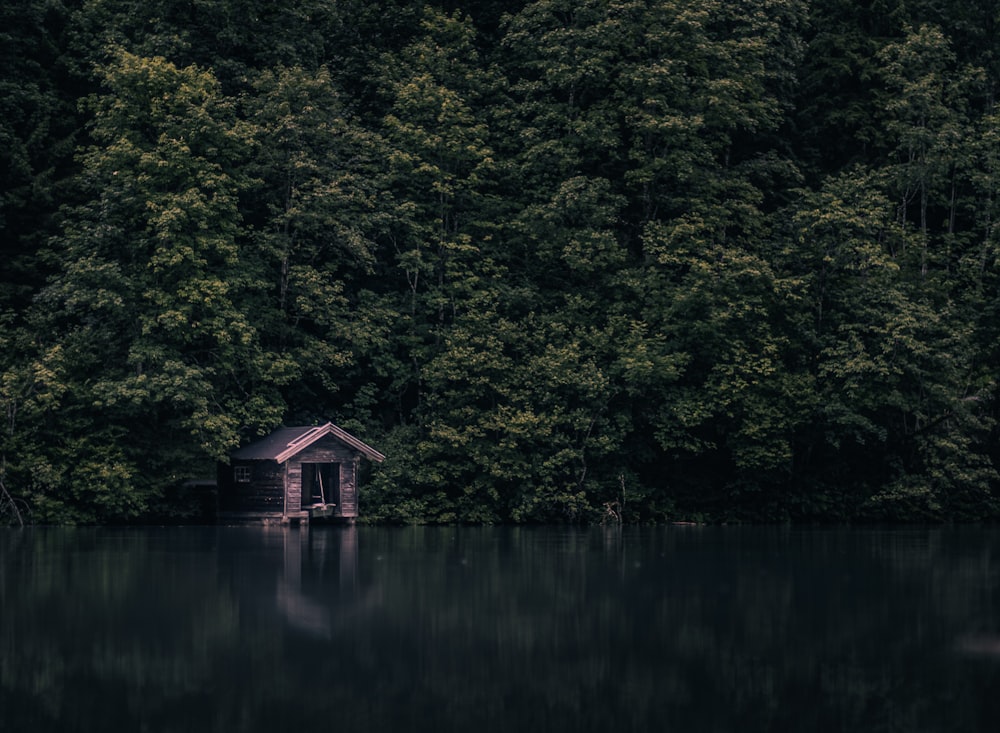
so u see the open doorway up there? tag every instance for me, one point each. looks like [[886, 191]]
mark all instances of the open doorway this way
[[320, 484]]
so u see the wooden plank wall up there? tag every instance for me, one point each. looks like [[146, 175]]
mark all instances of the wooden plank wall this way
[[348, 489], [327, 450], [263, 495], [293, 484]]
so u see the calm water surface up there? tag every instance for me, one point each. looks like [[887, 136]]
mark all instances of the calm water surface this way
[[457, 629]]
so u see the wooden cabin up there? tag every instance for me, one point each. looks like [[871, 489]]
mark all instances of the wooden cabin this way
[[293, 475]]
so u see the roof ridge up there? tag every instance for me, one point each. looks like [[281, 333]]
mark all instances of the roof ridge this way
[[307, 434], [278, 447]]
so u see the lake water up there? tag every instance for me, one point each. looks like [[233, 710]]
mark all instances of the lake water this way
[[499, 629]]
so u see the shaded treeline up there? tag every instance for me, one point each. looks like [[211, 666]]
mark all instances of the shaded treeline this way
[[684, 258]]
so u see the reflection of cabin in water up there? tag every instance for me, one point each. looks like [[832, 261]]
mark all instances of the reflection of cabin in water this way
[[293, 475]]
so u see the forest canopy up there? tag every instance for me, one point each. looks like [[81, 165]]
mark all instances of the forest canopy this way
[[666, 259]]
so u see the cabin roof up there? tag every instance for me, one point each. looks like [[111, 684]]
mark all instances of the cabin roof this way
[[286, 442]]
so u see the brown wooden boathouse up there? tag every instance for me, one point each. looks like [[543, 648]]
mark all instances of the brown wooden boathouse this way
[[293, 475]]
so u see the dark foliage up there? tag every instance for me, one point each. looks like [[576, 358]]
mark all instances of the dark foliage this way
[[675, 259]]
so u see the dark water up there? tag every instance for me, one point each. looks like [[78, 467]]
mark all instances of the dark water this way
[[334, 629]]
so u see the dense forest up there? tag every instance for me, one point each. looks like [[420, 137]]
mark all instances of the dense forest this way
[[663, 259]]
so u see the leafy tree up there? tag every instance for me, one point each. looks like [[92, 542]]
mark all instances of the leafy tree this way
[[234, 38], [644, 150], [436, 246], [142, 331], [836, 109], [898, 406], [314, 210], [37, 127], [927, 121], [704, 112], [731, 259]]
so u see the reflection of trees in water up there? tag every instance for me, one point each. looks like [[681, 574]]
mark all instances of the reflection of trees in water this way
[[721, 635], [100, 625], [104, 625], [619, 629]]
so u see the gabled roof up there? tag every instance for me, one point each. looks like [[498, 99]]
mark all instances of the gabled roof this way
[[285, 443]]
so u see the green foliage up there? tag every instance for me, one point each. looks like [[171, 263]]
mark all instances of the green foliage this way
[[677, 259], [37, 129]]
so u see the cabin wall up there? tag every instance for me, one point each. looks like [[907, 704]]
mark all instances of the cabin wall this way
[[327, 450], [293, 484], [262, 495], [348, 506]]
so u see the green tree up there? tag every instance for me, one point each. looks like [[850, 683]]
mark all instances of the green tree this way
[[898, 407], [437, 270], [927, 122], [836, 108], [235, 38], [644, 138], [37, 129], [705, 99], [155, 366], [314, 209]]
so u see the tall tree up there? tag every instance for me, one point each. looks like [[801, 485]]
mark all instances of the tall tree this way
[[836, 107], [436, 250], [899, 396], [314, 211], [142, 330], [37, 129], [927, 124]]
